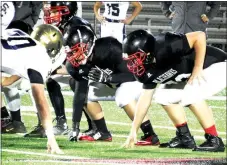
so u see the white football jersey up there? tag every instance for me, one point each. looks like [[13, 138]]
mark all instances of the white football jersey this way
[[116, 10], [7, 14], [20, 52]]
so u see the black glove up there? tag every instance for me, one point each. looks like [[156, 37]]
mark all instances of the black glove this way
[[99, 75]]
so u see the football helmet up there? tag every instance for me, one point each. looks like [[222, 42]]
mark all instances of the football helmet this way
[[59, 12], [79, 42], [138, 49], [51, 38]]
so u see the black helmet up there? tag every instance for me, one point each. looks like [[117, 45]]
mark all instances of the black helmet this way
[[138, 49], [79, 42], [58, 12]]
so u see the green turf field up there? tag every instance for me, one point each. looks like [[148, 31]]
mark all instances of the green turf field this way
[[19, 150]]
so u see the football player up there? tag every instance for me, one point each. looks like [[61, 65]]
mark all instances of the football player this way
[[187, 70], [45, 44], [101, 61], [63, 15]]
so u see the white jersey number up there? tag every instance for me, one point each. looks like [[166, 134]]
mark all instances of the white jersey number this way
[[113, 9]]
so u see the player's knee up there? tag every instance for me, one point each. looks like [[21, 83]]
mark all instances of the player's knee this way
[[72, 84]]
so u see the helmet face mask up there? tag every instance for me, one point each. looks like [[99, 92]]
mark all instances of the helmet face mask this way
[[53, 15], [80, 42], [77, 54], [58, 12], [138, 51], [135, 62]]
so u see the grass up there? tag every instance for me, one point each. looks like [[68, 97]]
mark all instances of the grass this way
[[109, 150]]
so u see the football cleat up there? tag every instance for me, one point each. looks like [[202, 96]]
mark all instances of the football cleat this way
[[212, 144], [86, 134], [97, 136], [38, 132], [61, 127], [73, 135], [14, 127], [180, 141], [151, 140]]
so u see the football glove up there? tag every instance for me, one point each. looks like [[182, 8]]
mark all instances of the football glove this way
[[99, 75]]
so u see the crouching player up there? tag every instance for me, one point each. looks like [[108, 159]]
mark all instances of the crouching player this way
[[188, 70], [32, 58]]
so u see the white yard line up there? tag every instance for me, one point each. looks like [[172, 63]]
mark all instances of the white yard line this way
[[42, 154], [128, 124]]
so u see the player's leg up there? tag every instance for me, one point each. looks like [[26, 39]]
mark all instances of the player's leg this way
[[57, 100], [127, 99], [214, 84], [169, 96], [204, 115], [5, 117], [13, 101], [98, 91]]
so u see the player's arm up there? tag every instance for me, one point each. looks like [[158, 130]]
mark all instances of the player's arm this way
[[137, 8], [197, 40], [7, 81], [80, 88], [142, 107], [37, 87], [97, 6]]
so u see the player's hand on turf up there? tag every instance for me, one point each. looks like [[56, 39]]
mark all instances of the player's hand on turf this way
[[130, 142], [52, 146], [99, 75], [197, 75]]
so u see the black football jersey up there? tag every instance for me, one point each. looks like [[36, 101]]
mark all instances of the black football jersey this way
[[175, 60], [107, 55]]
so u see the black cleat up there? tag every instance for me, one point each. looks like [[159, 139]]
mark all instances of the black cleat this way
[[212, 144], [38, 132], [14, 127], [61, 127], [180, 141]]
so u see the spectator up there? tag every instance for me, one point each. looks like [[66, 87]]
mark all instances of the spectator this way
[[190, 16], [114, 17]]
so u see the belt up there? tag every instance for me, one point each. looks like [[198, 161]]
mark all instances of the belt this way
[[112, 20]]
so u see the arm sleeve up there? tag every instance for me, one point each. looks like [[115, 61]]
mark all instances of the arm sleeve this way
[[177, 44], [121, 78], [214, 8], [80, 95]]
